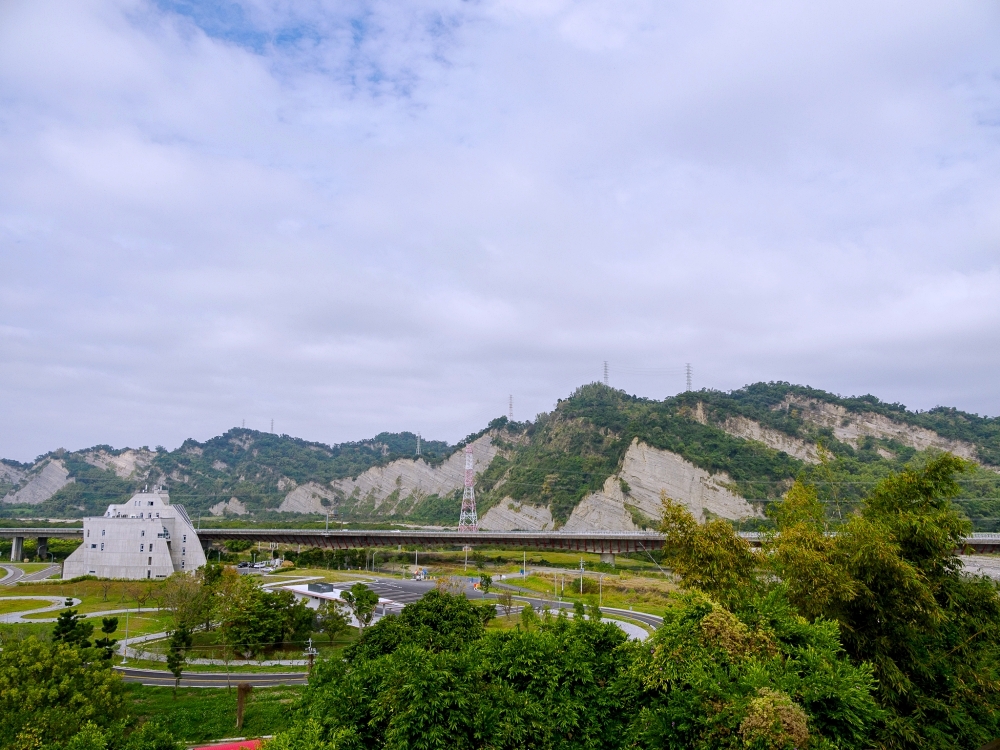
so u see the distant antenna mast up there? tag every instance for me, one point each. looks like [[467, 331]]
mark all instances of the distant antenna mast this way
[[244, 424], [510, 408], [272, 425], [467, 519], [605, 372], [418, 443], [687, 370]]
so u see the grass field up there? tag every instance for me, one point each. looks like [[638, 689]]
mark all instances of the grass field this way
[[643, 594], [202, 714], [9, 605]]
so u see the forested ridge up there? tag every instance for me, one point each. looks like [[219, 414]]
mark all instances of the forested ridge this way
[[559, 457]]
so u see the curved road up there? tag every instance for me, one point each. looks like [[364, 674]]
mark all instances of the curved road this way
[[15, 574], [211, 679], [11, 576]]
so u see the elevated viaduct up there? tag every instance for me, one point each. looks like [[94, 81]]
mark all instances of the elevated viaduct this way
[[605, 543]]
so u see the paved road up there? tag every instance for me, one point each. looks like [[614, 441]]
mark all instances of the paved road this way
[[54, 603], [211, 679], [11, 575], [15, 574]]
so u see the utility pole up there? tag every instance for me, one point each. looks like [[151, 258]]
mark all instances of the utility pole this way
[[581, 576], [605, 372], [311, 653], [125, 645], [687, 369]]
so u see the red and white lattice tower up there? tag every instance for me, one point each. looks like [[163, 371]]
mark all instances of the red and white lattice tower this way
[[467, 520]]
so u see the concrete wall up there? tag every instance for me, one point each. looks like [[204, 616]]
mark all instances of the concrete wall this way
[[144, 538]]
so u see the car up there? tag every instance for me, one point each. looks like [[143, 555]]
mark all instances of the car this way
[[243, 565]]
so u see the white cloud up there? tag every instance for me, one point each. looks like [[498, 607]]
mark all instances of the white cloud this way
[[376, 216]]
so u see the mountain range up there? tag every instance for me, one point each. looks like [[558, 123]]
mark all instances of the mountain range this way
[[600, 460]]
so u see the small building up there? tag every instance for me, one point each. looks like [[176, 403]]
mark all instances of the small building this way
[[146, 537]]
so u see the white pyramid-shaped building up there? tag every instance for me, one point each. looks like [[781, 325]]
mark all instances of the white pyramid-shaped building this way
[[146, 537]]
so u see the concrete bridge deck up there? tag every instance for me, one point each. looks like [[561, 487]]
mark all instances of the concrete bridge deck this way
[[601, 542]]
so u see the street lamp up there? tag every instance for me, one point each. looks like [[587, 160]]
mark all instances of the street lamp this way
[[125, 644]]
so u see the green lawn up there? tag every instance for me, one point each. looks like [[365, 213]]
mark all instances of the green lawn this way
[[202, 714], [235, 668], [9, 605], [642, 594]]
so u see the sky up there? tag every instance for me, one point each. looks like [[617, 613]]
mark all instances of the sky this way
[[357, 217]]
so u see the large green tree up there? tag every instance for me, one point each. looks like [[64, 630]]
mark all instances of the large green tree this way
[[49, 691], [890, 577], [434, 677]]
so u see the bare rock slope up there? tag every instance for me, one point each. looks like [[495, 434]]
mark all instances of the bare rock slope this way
[[41, 484], [647, 472], [397, 486]]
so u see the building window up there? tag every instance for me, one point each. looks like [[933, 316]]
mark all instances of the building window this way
[[102, 532], [150, 502], [93, 546], [184, 538], [150, 546], [157, 515], [142, 547], [182, 565], [183, 551], [102, 546], [88, 533], [150, 562], [143, 533]]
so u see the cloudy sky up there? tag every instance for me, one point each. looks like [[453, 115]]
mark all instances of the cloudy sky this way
[[362, 216]]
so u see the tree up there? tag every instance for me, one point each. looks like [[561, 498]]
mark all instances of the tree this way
[[708, 556], [330, 619], [706, 680], [437, 622], [506, 601], [141, 592], [180, 642], [362, 601], [183, 596], [49, 691], [108, 626], [891, 580], [71, 629], [485, 582]]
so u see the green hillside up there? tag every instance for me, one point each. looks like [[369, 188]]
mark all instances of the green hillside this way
[[244, 463], [561, 456], [573, 450]]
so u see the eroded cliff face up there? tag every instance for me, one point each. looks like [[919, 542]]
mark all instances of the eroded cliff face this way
[[510, 515], [40, 484], [851, 427], [749, 429], [646, 472], [129, 464], [233, 506], [393, 488]]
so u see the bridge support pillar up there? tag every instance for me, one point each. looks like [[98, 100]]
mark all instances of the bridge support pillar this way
[[43, 548], [17, 549], [608, 557]]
